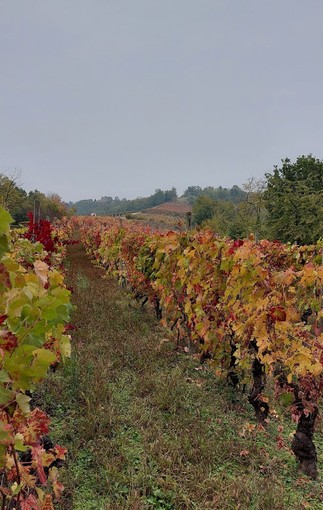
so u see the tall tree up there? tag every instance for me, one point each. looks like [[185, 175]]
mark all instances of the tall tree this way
[[294, 200], [251, 209]]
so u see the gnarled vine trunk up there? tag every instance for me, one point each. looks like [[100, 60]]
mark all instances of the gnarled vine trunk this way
[[158, 309], [258, 373], [232, 376], [303, 445]]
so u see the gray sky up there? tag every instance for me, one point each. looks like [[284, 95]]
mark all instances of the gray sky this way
[[120, 97]]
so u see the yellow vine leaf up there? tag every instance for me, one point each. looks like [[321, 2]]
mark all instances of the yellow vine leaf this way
[[41, 270]]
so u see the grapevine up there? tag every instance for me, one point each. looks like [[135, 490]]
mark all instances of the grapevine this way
[[34, 311], [255, 308]]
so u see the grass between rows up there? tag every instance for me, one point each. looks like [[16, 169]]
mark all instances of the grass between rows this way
[[148, 428]]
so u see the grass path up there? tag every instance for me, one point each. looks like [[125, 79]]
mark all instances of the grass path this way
[[146, 428]]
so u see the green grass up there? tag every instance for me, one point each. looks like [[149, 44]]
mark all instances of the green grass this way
[[147, 428]]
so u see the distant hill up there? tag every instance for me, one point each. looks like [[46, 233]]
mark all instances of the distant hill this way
[[111, 206], [164, 202]]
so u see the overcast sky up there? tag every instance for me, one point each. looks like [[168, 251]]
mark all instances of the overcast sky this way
[[120, 97]]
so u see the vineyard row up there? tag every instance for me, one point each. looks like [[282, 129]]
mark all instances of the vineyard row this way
[[254, 309], [34, 315]]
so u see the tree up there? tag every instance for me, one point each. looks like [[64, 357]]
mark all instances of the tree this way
[[252, 207], [203, 209], [294, 200], [194, 191], [225, 220], [170, 194], [55, 207], [12, 197]]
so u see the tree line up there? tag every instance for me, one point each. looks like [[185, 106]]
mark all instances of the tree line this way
[[287, 205]]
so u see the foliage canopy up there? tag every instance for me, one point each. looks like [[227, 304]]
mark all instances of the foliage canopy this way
[[294, 200]]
